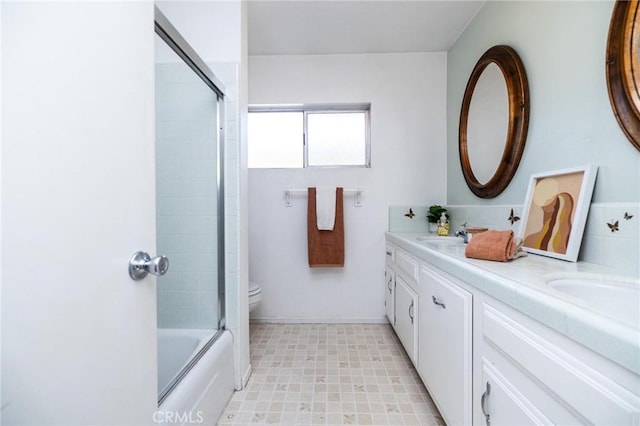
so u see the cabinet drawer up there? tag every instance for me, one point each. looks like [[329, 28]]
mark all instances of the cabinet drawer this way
[[390, 254], [407, 264], [555, 375]]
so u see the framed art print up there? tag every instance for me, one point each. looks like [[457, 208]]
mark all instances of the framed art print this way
[[555, 212]]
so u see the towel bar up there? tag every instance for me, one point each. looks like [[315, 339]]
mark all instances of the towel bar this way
[[289, 193]]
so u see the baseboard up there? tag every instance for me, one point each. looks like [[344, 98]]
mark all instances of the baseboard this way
[[318, 320]]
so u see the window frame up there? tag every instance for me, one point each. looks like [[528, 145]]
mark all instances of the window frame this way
[[307, 109]]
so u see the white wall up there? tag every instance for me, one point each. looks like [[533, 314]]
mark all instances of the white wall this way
[[1, 102], [243, 356], [212, 27], [408, 103]]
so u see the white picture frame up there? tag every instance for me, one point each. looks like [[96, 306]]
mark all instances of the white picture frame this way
[[555, 211]]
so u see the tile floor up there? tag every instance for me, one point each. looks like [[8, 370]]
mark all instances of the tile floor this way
[[330, 374]]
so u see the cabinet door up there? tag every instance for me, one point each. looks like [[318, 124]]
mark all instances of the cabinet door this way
[[389, 299], [541, 377], [445, 345], [406, 311], [503, 404]]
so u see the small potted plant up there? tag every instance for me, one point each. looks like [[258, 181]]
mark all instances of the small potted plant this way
[[434, 213]]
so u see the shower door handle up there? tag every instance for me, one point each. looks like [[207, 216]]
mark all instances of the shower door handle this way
[[142, 264]]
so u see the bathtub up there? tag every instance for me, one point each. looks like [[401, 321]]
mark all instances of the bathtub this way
[[200, 395]]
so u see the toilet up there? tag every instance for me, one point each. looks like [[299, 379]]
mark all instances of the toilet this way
[[255, 295]]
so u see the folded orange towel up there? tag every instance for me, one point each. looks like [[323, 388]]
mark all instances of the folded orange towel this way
[[492, 245]]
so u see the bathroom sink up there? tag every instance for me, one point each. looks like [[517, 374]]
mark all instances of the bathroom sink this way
[[434, 239], [617, 297], [449, 244]]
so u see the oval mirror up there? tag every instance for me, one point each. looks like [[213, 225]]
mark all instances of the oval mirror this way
[[493, 121], [623, 68], [488, 123]]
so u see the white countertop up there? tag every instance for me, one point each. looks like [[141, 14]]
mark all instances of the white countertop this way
[[522, 284]]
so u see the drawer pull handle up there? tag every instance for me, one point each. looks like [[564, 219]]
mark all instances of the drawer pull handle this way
[[411, 311], [439, 303], [389, 253], [483, 402]]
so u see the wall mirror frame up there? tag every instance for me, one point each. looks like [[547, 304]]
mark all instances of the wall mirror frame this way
[[517, 84], [623, 67]]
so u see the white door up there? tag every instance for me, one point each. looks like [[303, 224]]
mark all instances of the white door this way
[[78, 199]]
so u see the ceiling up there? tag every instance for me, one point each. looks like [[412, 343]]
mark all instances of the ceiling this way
[[299, 27]]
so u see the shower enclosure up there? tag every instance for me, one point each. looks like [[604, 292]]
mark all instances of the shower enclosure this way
[[189, 219]]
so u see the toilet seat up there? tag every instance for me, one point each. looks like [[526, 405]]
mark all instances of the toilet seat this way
[[255, 295], [254, 288]]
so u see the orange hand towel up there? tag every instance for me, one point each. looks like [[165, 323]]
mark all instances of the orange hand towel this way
[[326, 248], [492, 245]]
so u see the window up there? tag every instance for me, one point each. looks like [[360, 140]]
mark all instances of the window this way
[[274, 139], [309, 136]]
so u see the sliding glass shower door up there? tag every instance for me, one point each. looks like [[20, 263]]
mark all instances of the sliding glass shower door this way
[[189, 208]]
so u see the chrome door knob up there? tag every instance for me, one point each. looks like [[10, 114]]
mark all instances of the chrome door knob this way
[[142, 264]]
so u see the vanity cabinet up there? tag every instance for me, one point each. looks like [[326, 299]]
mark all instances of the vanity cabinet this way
[[484, 362], [401, 298], [533, 375], [446, 344]]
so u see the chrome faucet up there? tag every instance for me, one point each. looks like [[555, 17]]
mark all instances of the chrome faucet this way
[[463, 233]]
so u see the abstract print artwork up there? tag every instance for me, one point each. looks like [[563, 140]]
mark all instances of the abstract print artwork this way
[[555, 212]]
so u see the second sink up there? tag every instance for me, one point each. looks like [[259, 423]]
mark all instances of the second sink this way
[[617, 297]]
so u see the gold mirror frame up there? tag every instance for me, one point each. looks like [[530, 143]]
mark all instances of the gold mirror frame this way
[[623, 68], [518, 91]]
